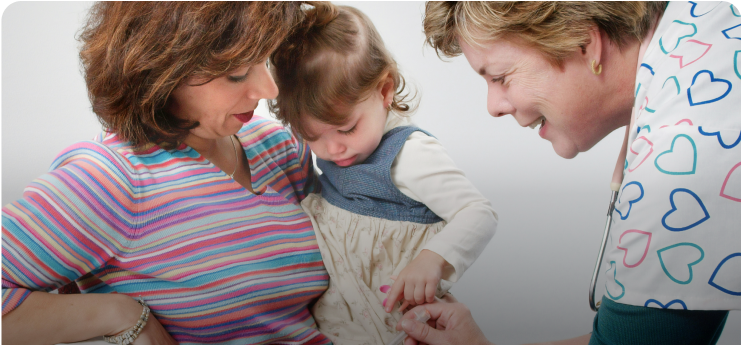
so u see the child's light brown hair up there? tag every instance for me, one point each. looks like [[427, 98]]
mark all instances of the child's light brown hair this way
[[331, 62]]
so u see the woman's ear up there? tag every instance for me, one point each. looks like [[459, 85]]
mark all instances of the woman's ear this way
[[593, 50]]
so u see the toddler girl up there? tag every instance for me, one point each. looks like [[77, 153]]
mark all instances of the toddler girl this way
[[393, 204]]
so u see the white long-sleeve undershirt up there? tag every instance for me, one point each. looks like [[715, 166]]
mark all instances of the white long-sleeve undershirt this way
[[424, 171]]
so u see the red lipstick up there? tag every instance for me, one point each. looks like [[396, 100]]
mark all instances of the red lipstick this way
[[245, 117]]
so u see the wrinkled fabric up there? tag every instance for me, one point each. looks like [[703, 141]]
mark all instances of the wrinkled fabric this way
[[360, 253]]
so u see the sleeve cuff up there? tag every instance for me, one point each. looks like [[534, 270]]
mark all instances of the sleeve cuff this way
[[12, 298]]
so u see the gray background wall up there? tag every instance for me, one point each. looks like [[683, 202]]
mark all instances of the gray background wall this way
[[531, 282]]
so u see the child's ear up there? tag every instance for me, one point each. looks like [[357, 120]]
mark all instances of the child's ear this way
[[387, 89]]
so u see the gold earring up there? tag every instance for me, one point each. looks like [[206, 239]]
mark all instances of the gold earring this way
[[598, 70], [388, 107]]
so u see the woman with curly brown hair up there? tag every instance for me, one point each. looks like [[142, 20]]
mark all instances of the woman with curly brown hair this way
[[181, 222], [666, 71]]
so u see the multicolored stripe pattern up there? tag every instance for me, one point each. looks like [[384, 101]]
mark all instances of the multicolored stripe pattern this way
[[216, 263]]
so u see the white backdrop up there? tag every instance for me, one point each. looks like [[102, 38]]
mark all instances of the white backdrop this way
[[531, 282]]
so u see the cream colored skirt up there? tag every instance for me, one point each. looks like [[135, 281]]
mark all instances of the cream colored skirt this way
[[360, 254]]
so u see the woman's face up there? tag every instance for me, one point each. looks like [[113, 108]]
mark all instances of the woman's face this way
[[224, 104], [565, 100]]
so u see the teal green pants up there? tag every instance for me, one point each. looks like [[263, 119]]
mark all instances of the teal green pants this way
[[621, 324]]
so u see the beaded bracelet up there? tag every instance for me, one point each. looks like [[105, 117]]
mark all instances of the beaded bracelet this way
[[128, 336]]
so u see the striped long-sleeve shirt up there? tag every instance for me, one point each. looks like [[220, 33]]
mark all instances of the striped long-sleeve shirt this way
[[216, 263]]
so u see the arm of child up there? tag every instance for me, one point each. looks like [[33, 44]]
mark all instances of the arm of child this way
[[424, 171], [417, 282]]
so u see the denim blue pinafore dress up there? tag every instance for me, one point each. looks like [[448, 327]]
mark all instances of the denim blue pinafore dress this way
[[367, 231]]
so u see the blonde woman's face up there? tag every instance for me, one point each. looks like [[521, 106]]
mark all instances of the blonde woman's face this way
[[560, 100]]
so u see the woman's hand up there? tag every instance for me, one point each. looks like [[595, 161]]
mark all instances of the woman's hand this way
[[452, 323], [152, 334], [69, 318], [418, 281]]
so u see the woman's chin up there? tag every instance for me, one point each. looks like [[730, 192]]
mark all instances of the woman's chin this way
[[564, 150], [231, 128]]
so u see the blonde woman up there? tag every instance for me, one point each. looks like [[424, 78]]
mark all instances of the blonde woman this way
[[670, 73]]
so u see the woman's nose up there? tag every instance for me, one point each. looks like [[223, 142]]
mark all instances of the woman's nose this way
[[497, 103], [265, 87]]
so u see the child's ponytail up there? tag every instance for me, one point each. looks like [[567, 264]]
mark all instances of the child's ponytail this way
[[317, 14], [320, 15]]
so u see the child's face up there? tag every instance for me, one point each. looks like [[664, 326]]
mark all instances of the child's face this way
[[354, 141]]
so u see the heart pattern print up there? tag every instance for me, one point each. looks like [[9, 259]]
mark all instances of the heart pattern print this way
[[676, 231]]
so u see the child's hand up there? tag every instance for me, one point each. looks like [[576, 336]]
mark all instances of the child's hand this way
[[418, 281]]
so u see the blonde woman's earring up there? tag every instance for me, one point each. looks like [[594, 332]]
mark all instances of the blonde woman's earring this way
[[597, 70]]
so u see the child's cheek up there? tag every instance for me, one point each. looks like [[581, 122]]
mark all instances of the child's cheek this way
[[318, 150]]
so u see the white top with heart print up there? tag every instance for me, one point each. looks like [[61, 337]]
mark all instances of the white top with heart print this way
[[676, 237]]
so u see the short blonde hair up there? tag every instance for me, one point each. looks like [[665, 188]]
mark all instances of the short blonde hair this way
[[555, 28], [331, 61]]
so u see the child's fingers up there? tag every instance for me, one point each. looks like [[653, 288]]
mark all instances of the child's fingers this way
[[430, 292], [394, 295], [409, 292], [404, 306], [419, 294]]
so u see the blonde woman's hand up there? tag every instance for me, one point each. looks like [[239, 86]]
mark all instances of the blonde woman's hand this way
[[416, 284], [450, 323]]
